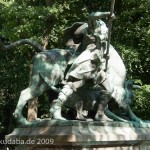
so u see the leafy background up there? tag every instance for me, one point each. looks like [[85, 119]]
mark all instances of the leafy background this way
[[44, 22]]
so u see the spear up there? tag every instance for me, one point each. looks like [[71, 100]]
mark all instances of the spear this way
[[110, 25], [109, 29]]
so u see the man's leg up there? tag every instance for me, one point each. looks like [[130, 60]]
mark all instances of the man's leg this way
[[102, 103], [66, 91]]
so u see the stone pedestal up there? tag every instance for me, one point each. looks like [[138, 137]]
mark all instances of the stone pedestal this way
[[77, 135]]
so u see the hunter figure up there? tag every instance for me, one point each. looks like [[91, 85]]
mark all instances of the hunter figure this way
[[90, 64]]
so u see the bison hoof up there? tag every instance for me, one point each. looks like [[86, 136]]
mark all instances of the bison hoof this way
[[17, 115], [20, 119], [56, 113], [102, 117]]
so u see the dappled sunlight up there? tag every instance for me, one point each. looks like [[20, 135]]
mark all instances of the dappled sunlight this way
[[47, 72], [85, 135]]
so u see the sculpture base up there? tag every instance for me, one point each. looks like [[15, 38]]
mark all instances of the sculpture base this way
[[62, 135]]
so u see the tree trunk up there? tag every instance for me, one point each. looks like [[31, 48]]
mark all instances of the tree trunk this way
[[46, 36], [32, 104], [32, 109]]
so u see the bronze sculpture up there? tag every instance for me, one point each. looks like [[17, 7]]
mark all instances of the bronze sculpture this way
[[88, 60]]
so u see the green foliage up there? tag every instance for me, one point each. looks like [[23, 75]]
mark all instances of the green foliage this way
[[31, 21], [38, 19], [22, 19], [14, 77], [132, 37], [142, 102]]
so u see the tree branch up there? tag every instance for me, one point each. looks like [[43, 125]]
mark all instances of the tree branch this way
[[21, 42]]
